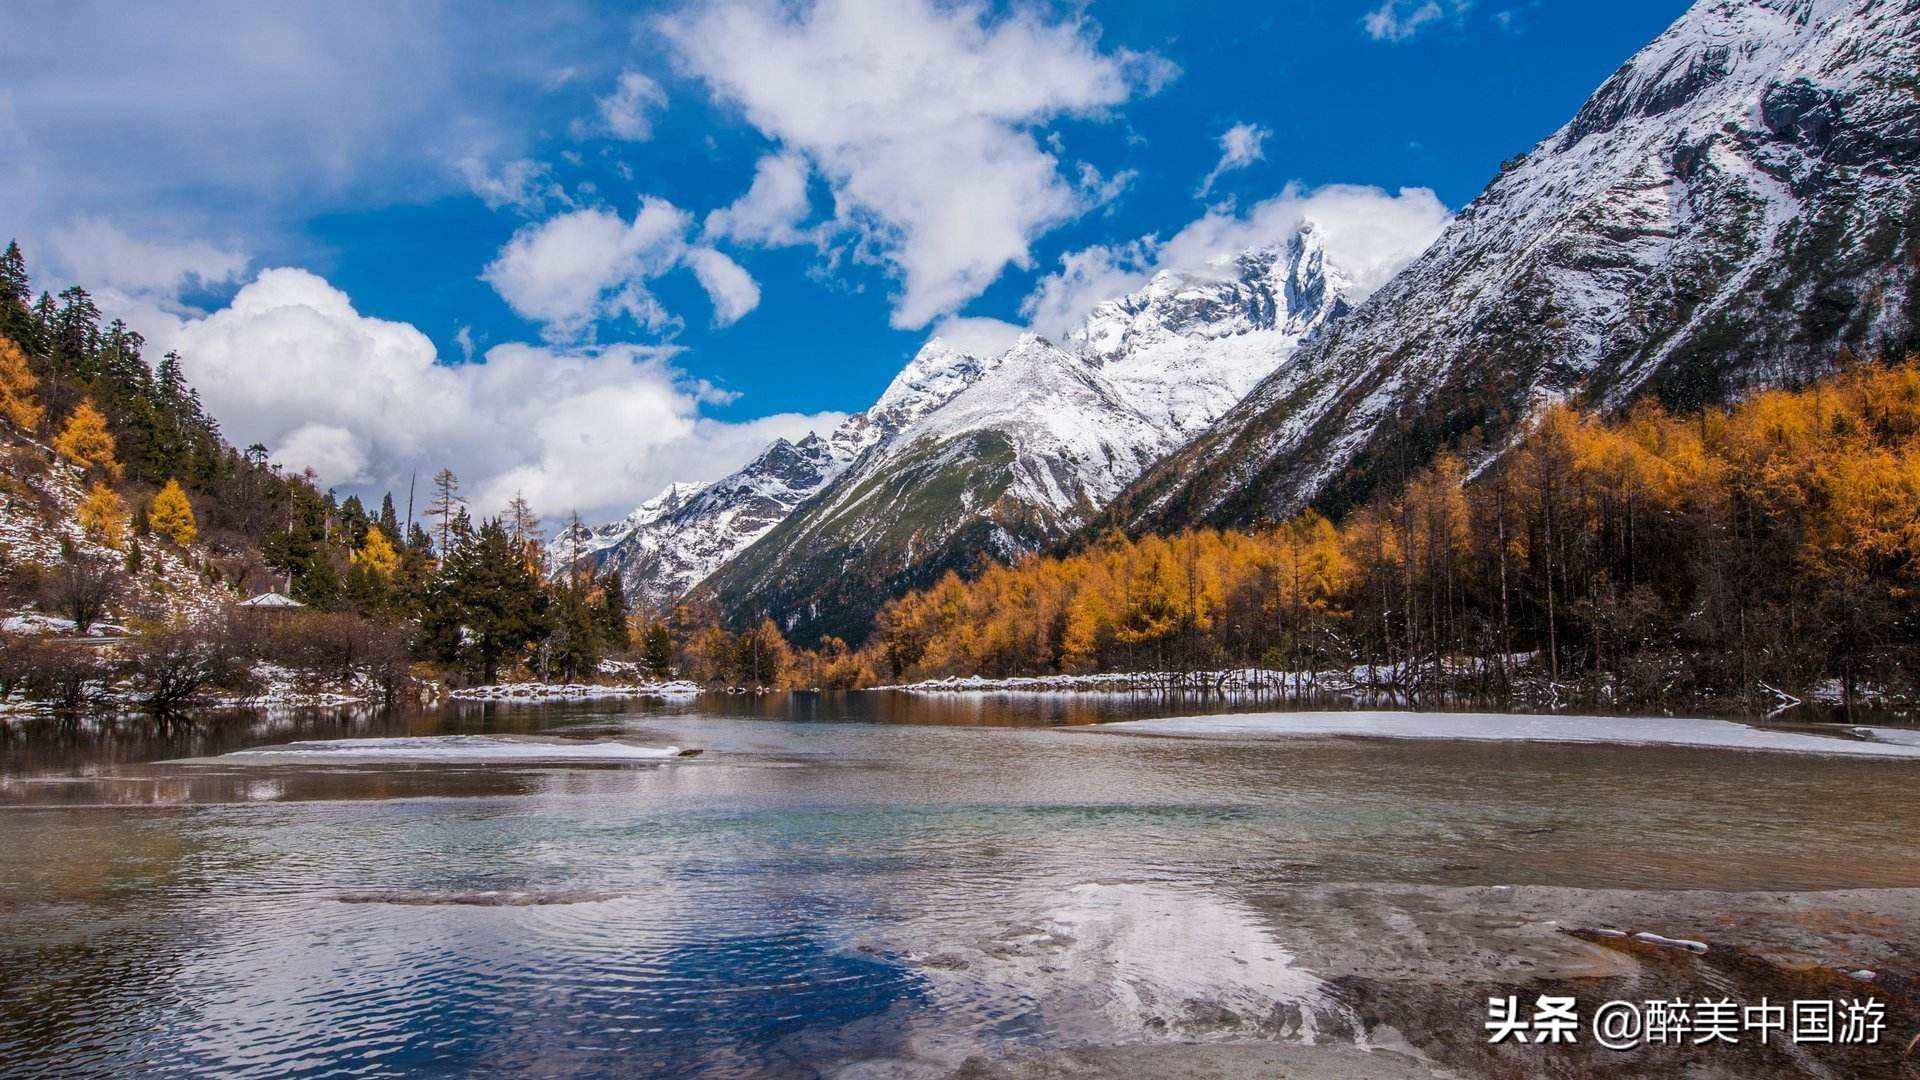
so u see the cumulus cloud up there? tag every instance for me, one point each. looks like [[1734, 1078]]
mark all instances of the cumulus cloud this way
[[362, 401], [773, 207], [920, 118], [976, 335], [732, 290], [572, 271], [1369, 236], [628, 112], [578, 268], [1240, 146]]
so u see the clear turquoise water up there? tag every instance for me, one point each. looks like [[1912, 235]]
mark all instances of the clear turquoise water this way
[[877, 882]]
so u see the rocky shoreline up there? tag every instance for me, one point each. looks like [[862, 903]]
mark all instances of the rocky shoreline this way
[[1415, 965]]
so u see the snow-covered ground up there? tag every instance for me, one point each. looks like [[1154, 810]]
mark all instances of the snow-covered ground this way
[[454, 748], [531, 691], [1510, 727], [38, 622]]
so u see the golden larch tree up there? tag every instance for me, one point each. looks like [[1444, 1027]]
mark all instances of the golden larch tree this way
[[17, 386], [377, 553], [104, 516], [171, 515], [86, 442]]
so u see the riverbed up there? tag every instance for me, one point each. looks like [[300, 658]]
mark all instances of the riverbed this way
[[887, 884]]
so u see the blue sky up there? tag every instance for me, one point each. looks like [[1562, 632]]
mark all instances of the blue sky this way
[[429, 183]]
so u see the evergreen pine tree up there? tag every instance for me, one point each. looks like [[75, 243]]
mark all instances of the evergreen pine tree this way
[[15, 288], [656, 651], [612, 612], [484, 589], [353, 521], [75, 338], [389, 521], [16, 297]]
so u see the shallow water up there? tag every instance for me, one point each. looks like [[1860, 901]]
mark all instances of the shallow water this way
[[874, 878]]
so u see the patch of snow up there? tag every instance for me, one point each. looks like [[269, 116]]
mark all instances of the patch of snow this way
[[573, 691], [1652, 938], [1518, 727], [454, 748]]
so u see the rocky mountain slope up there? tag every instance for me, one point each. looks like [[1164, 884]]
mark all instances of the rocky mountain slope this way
[[1735, 206], [40, 498], [1017, 450], [676, 539]]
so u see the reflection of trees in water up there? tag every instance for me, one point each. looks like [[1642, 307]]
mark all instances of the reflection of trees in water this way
[[50, 744], [78, 968]]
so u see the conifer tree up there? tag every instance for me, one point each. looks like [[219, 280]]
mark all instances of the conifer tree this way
[[171, 515], [75, 337], [523, 526], [656, 651], [353, 521], [17, 386], [485, 606], [104, 516], [15, 288], [446, 505], [611, 612], [389, 520], [378, 554], [86, 442], [16, 299]]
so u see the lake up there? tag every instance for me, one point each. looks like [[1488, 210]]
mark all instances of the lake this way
[[860, 884]]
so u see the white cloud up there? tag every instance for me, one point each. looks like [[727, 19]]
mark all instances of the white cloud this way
[[230, 117], [1085, 278], [921, 119], [138, 279], [327, 450], [1240, 146], [732, 290], [364, 402], [1398, 20], [772, 208], [523, 184], [571, 271], [977, 336], [1369, 236], [628, 112], [103, 258]]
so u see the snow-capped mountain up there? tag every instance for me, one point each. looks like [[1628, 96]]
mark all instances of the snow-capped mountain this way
[[997, 456], [675, 540], [1735, 206], [578, 543]]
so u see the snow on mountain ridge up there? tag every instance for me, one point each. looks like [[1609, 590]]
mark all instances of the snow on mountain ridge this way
[[1070, 423], [1733, 206], [1024, 447], [660, 556]]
